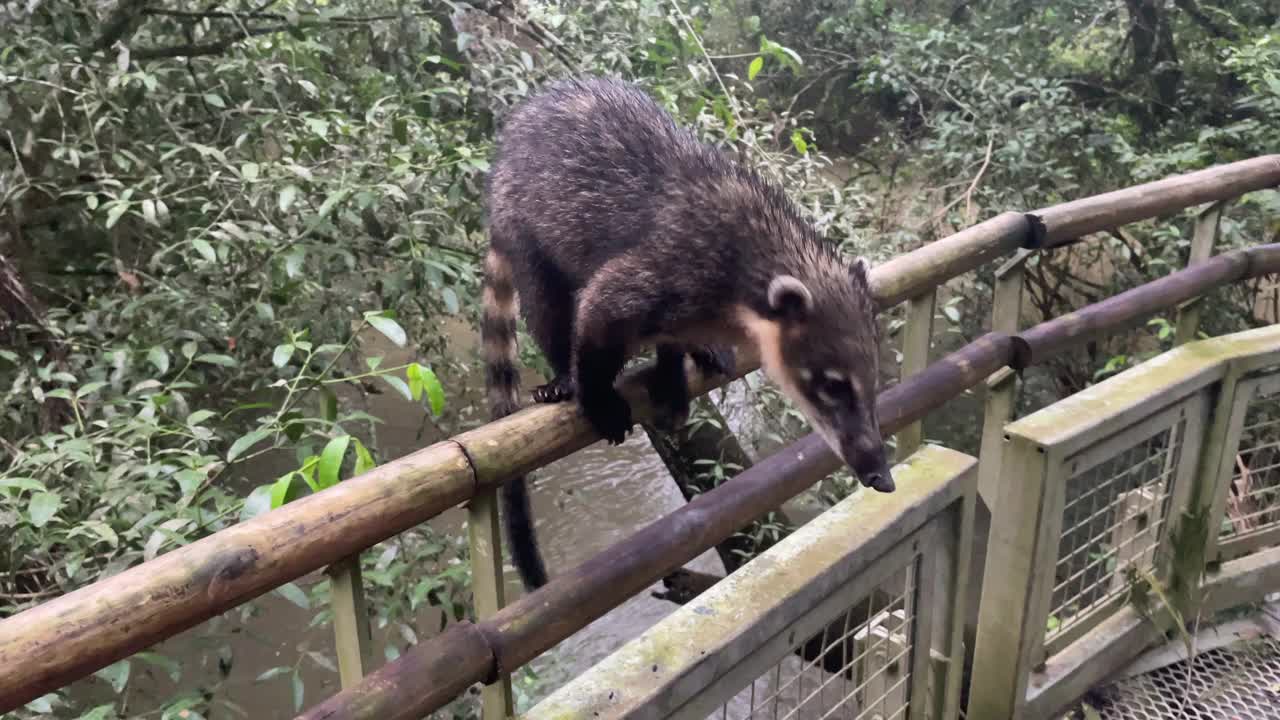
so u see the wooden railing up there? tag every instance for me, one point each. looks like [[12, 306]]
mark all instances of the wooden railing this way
[[68, 638]]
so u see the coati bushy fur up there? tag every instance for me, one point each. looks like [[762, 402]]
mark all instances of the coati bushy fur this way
[[612, 228]]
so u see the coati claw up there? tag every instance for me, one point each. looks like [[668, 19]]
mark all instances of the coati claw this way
[[559, 389]]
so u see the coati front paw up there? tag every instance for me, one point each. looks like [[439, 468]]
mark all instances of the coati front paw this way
[[610, 415], [714, 360], [559, 389]]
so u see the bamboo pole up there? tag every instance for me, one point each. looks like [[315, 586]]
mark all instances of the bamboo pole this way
[[916, 272], [1071, 221], [1120, 311], [539, 620]]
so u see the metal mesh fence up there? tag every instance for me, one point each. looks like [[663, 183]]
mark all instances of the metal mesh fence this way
[[1253, 502], [1235, 682], [1112, 522], [857, 668]]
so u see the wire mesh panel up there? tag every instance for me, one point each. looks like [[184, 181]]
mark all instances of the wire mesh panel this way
[[1241, 681], [857, 615], [1113, 521], [859, 667], [1252, 509]]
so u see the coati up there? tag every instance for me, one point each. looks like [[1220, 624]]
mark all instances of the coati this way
[[611, 228]]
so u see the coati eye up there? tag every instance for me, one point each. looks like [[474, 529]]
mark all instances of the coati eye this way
[[834, 388]]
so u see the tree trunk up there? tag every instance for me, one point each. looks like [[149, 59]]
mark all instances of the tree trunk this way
[[686, 454]]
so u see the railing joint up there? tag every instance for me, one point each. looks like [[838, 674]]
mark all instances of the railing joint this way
[[471, 465], [1037, 232]]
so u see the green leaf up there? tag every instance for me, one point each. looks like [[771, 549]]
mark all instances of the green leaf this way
[[89, 388], [258, 502], [364, 460], [42, 704], [249, 171], [62, 393], [117, 674], [298, 691], [42, 508], [435, 391], [272, 672], [797, 141], [288, 194], [22, 483], [293, 261], [215, 100], [294, 594], [159, 357], [754, 68], [199, 416], [215, 359], [117, 211], [388, 327], [330, 203], [331, 460], [282, 354], [103, 531], [100, 712], [205, 249], [285, 489], [171, 668], [399, 385], [450, 300], [328, 405], [244, 442]]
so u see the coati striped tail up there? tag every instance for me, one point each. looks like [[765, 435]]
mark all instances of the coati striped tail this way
[[502, 384], [498, 333]]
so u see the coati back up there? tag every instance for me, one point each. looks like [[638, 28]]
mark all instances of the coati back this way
[[617, 229]]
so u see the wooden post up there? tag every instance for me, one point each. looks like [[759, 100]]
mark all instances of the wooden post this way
[[487, 588], [1002, 385], [1203, 239], [351, 635], [915, 357], [959, 553], [1009, 626]]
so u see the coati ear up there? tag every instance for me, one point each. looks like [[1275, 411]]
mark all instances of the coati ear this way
[[789, 298], [860, 270]]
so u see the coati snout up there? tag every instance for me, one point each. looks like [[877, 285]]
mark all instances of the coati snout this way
[[611, 228]]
